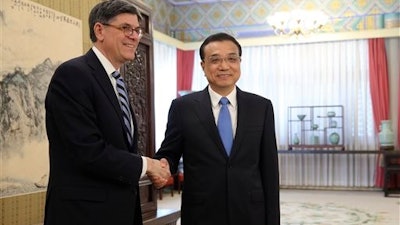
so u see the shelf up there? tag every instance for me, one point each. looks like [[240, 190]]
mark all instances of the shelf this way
[[329, 116], [302, 147], [329, 120]]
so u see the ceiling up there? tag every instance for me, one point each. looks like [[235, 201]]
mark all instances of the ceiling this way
[[192, 2]]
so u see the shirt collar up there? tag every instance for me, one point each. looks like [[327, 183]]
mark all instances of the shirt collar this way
[[104, 61], [215, 97]]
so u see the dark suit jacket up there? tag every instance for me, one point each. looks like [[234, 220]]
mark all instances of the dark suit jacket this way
[[94, 173], [240, 189]]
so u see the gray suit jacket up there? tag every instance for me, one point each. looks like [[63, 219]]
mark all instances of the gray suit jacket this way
[[94, 173], [240, 189]]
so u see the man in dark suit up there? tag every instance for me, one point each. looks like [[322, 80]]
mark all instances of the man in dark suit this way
[[224, 185], [94, 164]]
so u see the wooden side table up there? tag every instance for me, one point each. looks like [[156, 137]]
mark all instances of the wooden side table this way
[[391, 159], [386, 148]]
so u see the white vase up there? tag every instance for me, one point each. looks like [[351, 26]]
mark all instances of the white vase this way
[[386, 136]]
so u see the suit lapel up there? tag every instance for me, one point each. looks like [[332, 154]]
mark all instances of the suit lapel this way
[[103, 80], [204, 113], [242, 114]]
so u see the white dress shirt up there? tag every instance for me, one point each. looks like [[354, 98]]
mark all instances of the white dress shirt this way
[[232, 106], [109, 70]]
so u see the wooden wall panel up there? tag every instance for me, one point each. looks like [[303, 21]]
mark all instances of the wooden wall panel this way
[[26, 209]]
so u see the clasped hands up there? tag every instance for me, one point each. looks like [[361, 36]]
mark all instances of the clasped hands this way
[[158, 172]]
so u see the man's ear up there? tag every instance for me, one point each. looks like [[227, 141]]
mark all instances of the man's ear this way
[[202, 65], [99, 31]]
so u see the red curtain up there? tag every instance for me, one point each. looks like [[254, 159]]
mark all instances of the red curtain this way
[[185, 63], [379, 85], [398, 114]]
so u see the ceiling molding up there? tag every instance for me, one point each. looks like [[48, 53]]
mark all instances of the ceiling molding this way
[[193, 2], [279, 40]]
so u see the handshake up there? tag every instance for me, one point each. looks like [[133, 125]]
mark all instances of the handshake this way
[[158, 171]]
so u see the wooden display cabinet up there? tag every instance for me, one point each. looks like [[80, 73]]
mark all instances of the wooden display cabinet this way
[[316, 127], [139, 79]]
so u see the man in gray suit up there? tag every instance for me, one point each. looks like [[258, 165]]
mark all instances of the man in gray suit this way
[[94, 164], [226, 182]]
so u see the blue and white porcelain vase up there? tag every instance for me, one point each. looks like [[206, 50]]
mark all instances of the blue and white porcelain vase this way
[[386, 136]]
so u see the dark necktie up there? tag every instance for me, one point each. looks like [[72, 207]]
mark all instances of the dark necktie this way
[[224, 125], [124, 103]]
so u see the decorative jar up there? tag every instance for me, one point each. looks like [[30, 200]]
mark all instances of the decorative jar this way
[[331, 114], [334, 138], [386, 136]]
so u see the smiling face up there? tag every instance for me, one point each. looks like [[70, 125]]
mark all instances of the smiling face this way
[[221, 66], [114, 43]]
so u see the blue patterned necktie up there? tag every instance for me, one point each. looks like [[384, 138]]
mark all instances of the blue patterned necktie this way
[[124, 103], [224, 125]]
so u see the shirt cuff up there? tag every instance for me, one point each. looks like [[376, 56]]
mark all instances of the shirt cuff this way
[[144, 166]]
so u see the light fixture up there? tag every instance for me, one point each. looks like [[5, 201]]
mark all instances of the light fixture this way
[[297, 22]]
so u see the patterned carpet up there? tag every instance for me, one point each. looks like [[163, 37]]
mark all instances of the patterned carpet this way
[[294, 213], [319, 207]]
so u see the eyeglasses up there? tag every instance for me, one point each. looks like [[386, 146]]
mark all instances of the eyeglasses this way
[[128, 30], [217, 60]]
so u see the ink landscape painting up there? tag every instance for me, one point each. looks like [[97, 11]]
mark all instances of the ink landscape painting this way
[[34, 41]]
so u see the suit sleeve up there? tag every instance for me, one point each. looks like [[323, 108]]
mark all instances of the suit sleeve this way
[[270, 171], [171, 147], [83, 128]]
